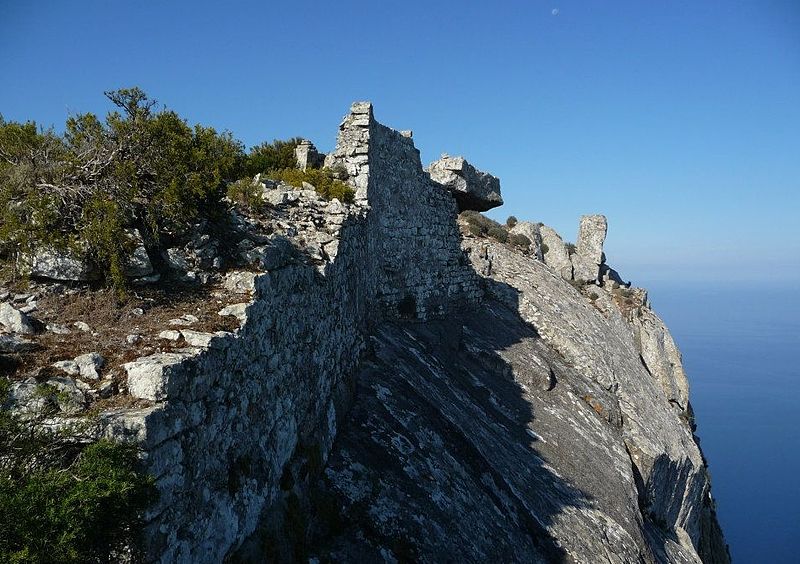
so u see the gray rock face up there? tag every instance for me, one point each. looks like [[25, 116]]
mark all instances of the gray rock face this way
[[555, 252], [533, 233], [458, 445], [60, 265], [472, 188], [661, 356], [14, 320], [589, 250], [88, 364], [601, 346], [138, 263]]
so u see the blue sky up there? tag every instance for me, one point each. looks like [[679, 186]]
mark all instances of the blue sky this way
[[678, 120]]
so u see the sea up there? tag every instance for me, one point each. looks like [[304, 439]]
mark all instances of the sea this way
[[741, 351]]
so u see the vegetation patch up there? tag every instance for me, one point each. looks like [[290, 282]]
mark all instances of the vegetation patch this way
[[63, 502], [323, 180]]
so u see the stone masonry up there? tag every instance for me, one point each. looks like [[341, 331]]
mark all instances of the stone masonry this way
[[235, 413]]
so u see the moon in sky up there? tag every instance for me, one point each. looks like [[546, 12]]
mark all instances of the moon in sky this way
[[555, 11]]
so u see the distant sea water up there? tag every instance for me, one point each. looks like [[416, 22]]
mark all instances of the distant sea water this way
[[741, 351]]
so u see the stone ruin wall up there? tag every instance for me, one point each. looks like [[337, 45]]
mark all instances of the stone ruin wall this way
[[228, 421], [231, 424], [418, 269]]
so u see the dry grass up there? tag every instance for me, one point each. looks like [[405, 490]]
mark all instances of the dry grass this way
[[146, 312]]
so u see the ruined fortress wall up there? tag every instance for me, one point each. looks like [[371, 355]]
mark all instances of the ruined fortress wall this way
[[418, 269], [236, 421], [228, 420]]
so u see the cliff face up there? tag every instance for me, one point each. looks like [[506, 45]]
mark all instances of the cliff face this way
[[402, 390]]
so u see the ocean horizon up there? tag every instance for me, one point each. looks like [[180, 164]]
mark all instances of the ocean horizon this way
[[739, 344]]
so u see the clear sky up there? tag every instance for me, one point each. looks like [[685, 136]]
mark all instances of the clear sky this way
[[679, 120]]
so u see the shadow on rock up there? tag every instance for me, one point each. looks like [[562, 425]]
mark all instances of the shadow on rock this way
[[437, 460]]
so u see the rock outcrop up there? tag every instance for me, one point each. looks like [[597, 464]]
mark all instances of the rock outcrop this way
[[534, 234], [396, 391], [472, 188], [589, 250], [556, 254]]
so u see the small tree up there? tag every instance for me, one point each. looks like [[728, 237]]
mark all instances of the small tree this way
[[141, 169], [511, 221], [277, 155]]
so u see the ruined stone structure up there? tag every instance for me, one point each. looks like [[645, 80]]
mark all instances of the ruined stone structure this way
[[415, 260], [398, 391], [307, 155], [274, 391]]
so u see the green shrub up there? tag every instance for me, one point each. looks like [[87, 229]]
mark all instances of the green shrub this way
[[62, 502], [498, 233], [570, 248], [246, 193], [511, 221], [277, 155], [519, 240], [479, 221], [475, 229], [323, 180], [545, 248], [141, 168], [87, 511]]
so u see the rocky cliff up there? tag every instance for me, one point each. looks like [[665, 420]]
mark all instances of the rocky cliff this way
[[399, 389]]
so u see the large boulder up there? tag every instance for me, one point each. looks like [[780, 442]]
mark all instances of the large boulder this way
[[589, 249], [472, 188], [138, 262], [14, 321], [57, 264], [555, 252]]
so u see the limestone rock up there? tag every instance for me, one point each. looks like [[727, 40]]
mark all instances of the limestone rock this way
[[15, 344], [70, 399], [555, 252], [610, 277], [534, 235], [472, 188], [58, 264], [662, 357], [185, 320], [25, 398], [239, 311], [58, 329], [88, 364], [203, 339], [170, 335], [149, 377], [603, 349], [589, 249], [15, 321], [68, 366], [138, 264], [271, 256], [177, 259], [240, 282]]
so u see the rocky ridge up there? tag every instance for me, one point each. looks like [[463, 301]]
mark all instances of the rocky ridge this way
[[394, 388]]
